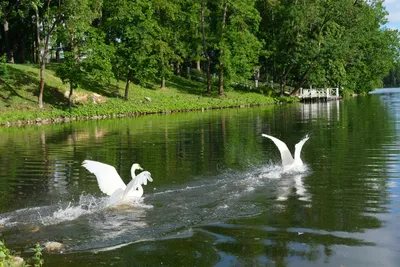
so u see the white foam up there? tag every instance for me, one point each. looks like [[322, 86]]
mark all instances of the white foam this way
[[63, 214], [3, 221]]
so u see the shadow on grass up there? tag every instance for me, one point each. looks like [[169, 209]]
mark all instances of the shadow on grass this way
[[153, 85], [191, 87], [30, 81], [88, 84], [199, 87], [11, 93], [94, 86]]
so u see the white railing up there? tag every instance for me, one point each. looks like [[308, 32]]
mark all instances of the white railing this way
[[328, 93]]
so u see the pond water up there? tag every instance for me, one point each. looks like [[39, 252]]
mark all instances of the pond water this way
[[219, 196]]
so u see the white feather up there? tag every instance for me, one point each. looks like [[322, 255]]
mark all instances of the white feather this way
[[107, 176], [286, 156], [134, 188], [287, 160]]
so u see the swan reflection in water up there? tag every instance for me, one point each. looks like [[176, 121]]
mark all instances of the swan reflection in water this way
[[293, 183]]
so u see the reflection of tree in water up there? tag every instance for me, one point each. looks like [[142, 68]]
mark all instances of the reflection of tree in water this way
[[40, 161], [339, 195], [293, 228], [252, 244]]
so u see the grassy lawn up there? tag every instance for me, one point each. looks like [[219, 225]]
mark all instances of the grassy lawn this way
[[18, 97]]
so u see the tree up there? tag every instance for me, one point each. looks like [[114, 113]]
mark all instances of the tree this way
[[7, 10], [131, 27], [203, 10], [48, 15], [78, 16], [167, 18], [326, 43], [373, 48], [235, 25]]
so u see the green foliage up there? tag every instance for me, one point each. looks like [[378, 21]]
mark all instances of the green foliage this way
[[327, 43], [95, 63], [99, 55], [7, 258], [393, 79], [37, 256], [5, 255], [70, 71], [292, 43]]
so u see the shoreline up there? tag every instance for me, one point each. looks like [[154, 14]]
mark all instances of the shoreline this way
[[18, 98], [57, 120]]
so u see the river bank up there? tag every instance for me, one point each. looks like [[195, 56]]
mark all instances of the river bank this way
[[18, 98]]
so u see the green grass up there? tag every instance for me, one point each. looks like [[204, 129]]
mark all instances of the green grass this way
[[18, 97]]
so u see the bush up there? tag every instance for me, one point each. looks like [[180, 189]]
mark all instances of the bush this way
[[8, 259]]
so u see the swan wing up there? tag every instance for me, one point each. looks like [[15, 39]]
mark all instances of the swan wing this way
[[299, 146], [115, 197], [140, 179], [286, 156], [107, 176]]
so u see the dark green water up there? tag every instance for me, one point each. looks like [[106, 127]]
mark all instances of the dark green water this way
[[218, 197]]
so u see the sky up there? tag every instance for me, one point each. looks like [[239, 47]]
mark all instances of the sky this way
[[393, 7]]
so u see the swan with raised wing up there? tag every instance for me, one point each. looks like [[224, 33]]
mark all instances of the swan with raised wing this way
[[288, 162], [110, 182]]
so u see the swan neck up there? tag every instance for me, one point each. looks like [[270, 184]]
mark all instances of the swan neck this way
[[133, 172], [297, 158], [140, 190]]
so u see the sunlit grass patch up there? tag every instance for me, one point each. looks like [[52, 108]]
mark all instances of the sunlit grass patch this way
[[19, 91]]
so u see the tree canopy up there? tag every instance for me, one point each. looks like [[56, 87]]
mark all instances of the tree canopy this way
[[296, 43]]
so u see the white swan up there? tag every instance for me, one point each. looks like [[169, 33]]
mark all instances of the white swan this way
[[111, 183], [288, 162]]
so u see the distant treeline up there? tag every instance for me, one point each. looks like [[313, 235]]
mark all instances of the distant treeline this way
[[294, 43], [393, 79]]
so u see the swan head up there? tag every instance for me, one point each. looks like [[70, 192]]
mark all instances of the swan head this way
[[135, 167]]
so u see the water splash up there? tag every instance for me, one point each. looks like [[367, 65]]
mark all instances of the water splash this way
[[87, 205], [92, 224]]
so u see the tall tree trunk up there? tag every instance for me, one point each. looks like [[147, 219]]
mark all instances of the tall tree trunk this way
[[42, 58], [128, 82], [41, 62], [205, 48], [41, 84], [198, 65], [33, 53], [162, 82], [74, 50], [283, 78], [58, 55], [303, 79], [221, 51], [37, 39], [71, 91], [178, 68], [283, 84], [9, 53], [209, 75], [221, 79]]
